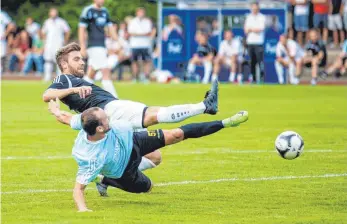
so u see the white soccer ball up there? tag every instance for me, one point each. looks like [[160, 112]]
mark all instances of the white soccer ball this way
[[289, 145]]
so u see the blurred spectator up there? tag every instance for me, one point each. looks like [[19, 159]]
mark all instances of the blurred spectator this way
[[203, 26], [344, 12], [22, 48], [339, 66], [94, 21], [204, 55], [254, 29], [229, 54], [122, 30], [35, 56], [174, 24], [32, 27], [315, 55], [289, 56], [56, 33], [5, 20], [140, 30], [335, 22], [215, 28], [321, 10], [290, 10], [301, 14]]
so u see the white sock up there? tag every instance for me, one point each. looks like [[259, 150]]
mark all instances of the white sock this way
[[191, 68], [280, 72], [291, 71], [179, 113], [146, 164], [232, 76], [239, 78], [207, 71], [48, 69], [86, 77], [214, 77], [108, 86]]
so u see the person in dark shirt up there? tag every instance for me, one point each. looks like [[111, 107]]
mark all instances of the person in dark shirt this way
[[80, 95], [315, 55], [204, 55], [93, 21], [335, 22]]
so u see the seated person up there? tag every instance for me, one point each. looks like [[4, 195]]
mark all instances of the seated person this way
[[35, 56], [315, 55], [21, 48], [339, 66], [204, 55], [289, 55], [229, 54]]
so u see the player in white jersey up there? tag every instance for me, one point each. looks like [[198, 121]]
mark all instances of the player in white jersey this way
[[229, 54], [56, 32], [109, 153], [289, 55], [4, 21]]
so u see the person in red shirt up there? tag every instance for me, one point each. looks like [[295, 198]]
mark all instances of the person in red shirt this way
[[22, 47], [321, 10]]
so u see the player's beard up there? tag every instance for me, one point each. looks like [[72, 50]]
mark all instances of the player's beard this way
[[76, 72]]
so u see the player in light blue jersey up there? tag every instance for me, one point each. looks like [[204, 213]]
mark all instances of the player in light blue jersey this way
[[110, 153], [339, 67]]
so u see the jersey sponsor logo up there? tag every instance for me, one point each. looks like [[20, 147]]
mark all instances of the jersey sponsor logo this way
[[100, 21]]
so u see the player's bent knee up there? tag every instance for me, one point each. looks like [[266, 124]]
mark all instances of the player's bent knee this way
[[155, 157]]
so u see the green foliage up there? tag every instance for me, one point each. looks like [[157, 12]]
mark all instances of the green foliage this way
[[70, 10]]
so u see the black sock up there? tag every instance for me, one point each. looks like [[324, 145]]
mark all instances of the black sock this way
[[198, 130]]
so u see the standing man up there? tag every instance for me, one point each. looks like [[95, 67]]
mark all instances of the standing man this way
[[32, 27], [93, 21], [254, 29], [56, 33], [301, 13], [335, 22], [321, 10], [140, 31]]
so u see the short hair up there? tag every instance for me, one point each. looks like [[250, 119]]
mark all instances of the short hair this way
[[62, 53], [90, 121]]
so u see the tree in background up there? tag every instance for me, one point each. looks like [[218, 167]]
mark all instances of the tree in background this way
[[70, 10]]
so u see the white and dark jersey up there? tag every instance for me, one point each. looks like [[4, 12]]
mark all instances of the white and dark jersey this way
[[204, 50], [315, 48], [97, 98], [95, 20]]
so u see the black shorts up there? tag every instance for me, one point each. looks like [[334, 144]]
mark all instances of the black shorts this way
[[141, 54], [133, 180]]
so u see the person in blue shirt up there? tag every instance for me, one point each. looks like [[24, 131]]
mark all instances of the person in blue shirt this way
[[110, 153], [339, 66]]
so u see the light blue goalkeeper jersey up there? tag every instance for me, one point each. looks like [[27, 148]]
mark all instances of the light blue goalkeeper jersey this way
[[344, 47], [108, 156]]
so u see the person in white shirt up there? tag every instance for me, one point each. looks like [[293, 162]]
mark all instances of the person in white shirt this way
[[289, 55], [254, 29], [32, 27], [174, 24], [230, 50], [56, 33], [301, 13], [140, 30], [4, 21]]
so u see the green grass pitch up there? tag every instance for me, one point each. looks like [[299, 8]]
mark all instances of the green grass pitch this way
[[233, 176]]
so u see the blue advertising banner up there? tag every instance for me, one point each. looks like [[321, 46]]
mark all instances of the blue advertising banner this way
[[180, 26]]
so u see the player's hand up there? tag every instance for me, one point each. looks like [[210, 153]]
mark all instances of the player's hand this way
[[54, 107], [83, 91], [85, 210]]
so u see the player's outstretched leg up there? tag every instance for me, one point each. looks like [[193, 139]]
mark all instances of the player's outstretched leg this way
[[177, 113]]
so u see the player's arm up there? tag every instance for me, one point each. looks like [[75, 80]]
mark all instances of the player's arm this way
[[78, 196], [52, 93], [61, 116]]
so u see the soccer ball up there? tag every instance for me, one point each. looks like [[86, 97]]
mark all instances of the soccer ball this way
[[289, 145]]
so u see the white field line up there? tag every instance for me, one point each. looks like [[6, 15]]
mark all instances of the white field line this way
[[198, 151], [251, 179]]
